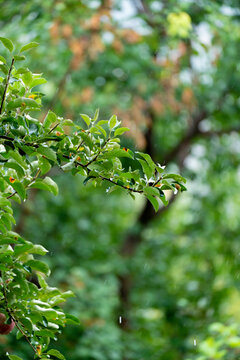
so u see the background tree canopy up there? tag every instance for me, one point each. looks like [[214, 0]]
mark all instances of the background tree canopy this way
[[159, 286]]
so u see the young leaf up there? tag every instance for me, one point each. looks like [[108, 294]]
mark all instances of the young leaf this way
[[56, 353], [175, 177], [148, 159], [19, 57], [112, 122], [96, 115], [19, 188], [86, 118], [49, 119], [45, 184], [146, 168], [22, 102], [14, 357], [71, 319], [28, 46], [154, 202], [38, 266], [151, 191], [52, 185], [120, 131], [38, 81], [116, 153], [7, 43], [48, 152], [2, 59], [44, 165]]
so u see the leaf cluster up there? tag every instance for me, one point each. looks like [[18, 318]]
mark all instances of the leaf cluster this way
[[29, 149]]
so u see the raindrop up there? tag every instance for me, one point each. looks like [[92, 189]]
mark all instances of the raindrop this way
[[120, 319], [195, 342], [107, 190]]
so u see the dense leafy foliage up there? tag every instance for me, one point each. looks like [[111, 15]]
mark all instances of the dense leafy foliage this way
[[29, 149], [170, 71]]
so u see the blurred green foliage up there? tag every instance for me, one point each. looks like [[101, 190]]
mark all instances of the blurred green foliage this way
[[179, 94]]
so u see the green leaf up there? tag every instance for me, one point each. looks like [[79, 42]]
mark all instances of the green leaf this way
[[16, 156], [7, 43], [163, 197], [175, 177], [19, 188], [27, 323], [38, 249], [120, 131], [39, 184], [151, 191], [42, 281], [154, 202], [52, 185], [2, 59], [112, 121], [22, 248], [86, 138], [29, 46], [87, 179], [19, 57], [4, 68], [14, 357], [96, 115], [116, 153], [148, 159], [27, 78], [44, 165], [38, 81], [45, 184], [49, 119], [22, 102], [146, 168], [101, 129], [15, 166], [71, 319], [48, 152], [4, 202], [56, 353], [86, 118], [67, 122], [38, 266], [21, 71]]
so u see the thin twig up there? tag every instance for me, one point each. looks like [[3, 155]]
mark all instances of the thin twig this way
[[53, 128], [6, 86]]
